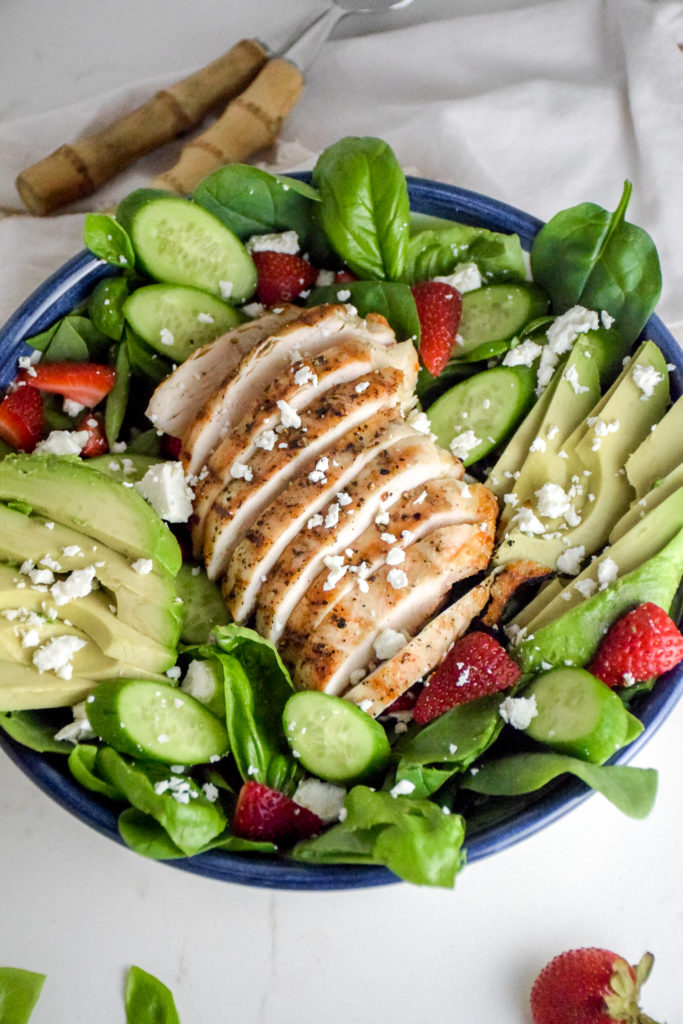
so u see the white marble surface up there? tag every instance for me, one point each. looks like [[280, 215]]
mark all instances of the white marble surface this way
[[82, 909]]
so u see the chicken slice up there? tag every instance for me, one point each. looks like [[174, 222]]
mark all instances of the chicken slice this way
[[406, 465], [178, 399], [420, 655], [441, 502], [303, 498], [398, 598], [315, 330], [305, 381], [254, 486]]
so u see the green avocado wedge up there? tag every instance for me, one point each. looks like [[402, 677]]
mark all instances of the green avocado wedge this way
[[65, 489]]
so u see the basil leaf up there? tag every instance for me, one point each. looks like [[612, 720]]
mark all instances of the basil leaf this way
[[413, 838], [107, 240], [105, 306], [67, 343], [250, 201], [257, 687], [35, 730], [19, 993], [586, 255], [148, 1001], [117, 399], [632, 790], [390, 298], [150, 787], [437, 252], [364, 206]]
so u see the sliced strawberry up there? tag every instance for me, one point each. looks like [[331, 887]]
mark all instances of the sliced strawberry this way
[[640, 645], [21, 418], [97, 443], [86, 383], [590, 986], [344, 277], [266, 814], [171, 446], [475, 666], [282, 276], [439, 308]]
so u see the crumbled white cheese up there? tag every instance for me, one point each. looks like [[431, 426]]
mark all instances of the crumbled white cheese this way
[[465, 277], [403, 788], [324, 279], [395, 556], [200, 681], [76, 585], [165, 488], [305, 375], [315, 520], [571, 375], [586, 587], [288, 416], [239, 471], [518, 711], [266, 440], [56, 655], [397, 579], [608, 570], [552, 501], [463, 444], [143, 566], [537, 445], [419, 421], [337, 569], [528, 522], [166, 337], [285, 241], [646, 379], [388, 538], [569, 561], [344, 499], [63, 442], [205, 318], [606, 319], [600, 430], [321, 798], [363, 386], [71, 407], [523, 355], [388, 643], [332, 517]]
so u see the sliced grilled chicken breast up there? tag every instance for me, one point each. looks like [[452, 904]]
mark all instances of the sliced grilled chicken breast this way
[[304, 382], [420, 655], [179, 397], [315, 330], [439, 503], [401, 598], [407, 464], [244, 497], [303, 498]]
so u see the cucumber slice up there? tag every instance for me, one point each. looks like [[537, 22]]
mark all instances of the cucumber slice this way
[[496, 313], [579, 715], [178, 242], [333, 738], [482, 410], [175, 319], [156, 722]]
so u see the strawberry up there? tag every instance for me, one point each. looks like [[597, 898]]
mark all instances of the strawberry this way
[[266, 814], [589, 986], [171, 447], [641, 644], [344, 277], [86, 383], [439, 308], [475, 666], [21, 418], [97, 443], [282, 276]]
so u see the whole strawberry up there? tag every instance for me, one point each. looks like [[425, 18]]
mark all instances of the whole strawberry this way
[[265, 814], [590, 986], [439, 308], [282, 276], [643, 643], [475, 666]]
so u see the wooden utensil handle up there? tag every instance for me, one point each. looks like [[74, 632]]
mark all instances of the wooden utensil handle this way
[[250, 122], [75, 171]]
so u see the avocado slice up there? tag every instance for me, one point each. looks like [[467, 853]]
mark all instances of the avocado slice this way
[[146, 601], [67, 490], [128, 466], [662, 490], [659, 454], [23, 688], [92, 614], [573, 637]]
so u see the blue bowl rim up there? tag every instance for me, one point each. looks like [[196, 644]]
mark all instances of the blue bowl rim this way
[[58, 295]]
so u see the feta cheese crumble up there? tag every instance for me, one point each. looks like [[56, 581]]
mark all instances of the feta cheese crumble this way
[[165, 488], [646, 379], [518, 711], [463, 444], [284, 241], [388, 643]]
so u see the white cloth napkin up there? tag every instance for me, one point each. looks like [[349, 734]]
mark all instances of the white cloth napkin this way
[[542, 107]]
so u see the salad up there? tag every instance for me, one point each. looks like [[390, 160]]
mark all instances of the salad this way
[[328, 528]]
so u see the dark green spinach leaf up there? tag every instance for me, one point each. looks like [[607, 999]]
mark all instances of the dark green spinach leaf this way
[[110, 242], [117, 399], [435, 252], [390, 298], [105, 306]]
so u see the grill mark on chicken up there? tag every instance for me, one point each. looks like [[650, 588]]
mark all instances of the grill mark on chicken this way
[[321, 424]]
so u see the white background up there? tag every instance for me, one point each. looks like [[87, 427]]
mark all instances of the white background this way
[[82, 909]]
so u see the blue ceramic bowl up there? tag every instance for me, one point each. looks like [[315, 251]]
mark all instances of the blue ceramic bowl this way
[[514, 820]]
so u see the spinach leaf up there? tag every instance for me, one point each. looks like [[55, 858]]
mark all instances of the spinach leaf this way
[[632, 790], [390, 298], [145, 836], [35, 730], [250, 201], [83, 766], [105, 306], [155, 790], [110, 242], [257, 687], [19, 993], [364, 206], [586, 255], [435, 252], [144, 361], [413, 838], [148, 1001], [431, 756], [117, 399]]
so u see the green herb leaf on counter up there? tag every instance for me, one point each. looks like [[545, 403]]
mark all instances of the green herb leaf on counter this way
[[586, 255], [414, 838], [364, 206], [19, 993], [148, 1000]]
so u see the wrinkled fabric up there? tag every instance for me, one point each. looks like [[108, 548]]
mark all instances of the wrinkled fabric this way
[[542, 107]]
